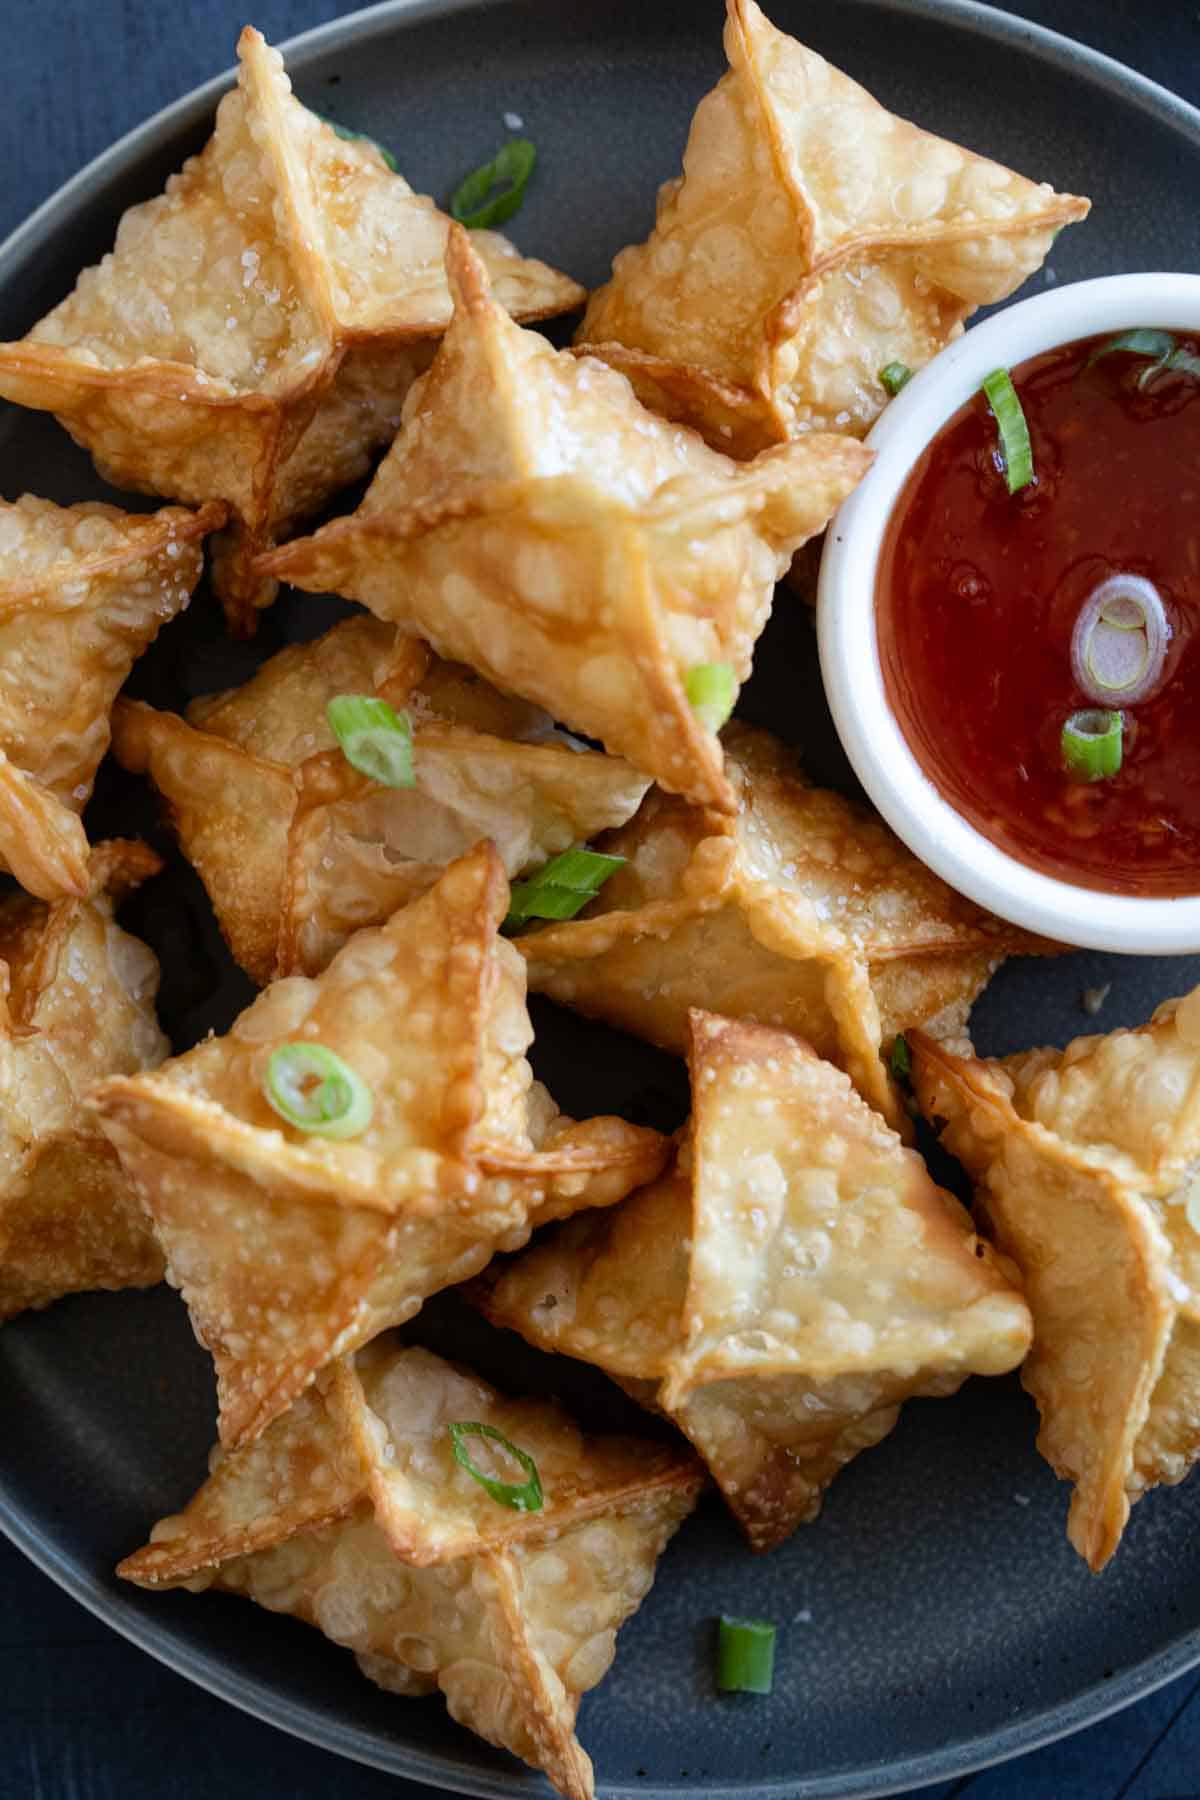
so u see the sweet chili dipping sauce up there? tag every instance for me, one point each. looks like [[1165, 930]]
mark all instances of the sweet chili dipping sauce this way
[[979, 595]]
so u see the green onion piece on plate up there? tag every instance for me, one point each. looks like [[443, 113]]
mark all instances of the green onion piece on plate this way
[[477, 203], [711, 691], [745, 1655], [1014, 432], [360, 137], [522, 1496], [314, 1090], [1091, 744], [894, 376], [900, 1060], [562, 887], [373, 739]]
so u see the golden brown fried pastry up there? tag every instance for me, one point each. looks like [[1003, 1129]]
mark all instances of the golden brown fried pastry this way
[[77, 1004], [799, 911], [812, 239], [291, 1248], [83, 591], [1085, 1163], [255, 329], [534, 521], [780, 1292], [298, 850], [352, 1514]]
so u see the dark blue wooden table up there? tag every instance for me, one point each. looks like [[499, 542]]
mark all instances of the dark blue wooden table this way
[[83, 1715]]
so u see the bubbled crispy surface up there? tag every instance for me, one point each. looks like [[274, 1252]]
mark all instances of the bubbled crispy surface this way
[[298, 850], [812, 238], [291, 1249], [83, 591], [801, 911], [254, 330], [80, 1006], [349, 1514], [534, 520], [1083, 1163], [793, 1279]]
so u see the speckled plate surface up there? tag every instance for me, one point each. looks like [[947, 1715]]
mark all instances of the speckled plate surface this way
[[934, 1618]]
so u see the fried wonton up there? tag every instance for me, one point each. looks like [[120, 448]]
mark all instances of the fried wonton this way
[[1086, 1164], [83, 591], [812, 239], [534, 521], [799, 911], [780, 1292], [77, 1004], [352, 1514], [255, 329], [292, 1249], [298, 850]]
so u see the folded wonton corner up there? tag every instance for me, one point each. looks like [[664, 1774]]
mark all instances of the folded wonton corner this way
[[799, 911], [1087, 1170], [534, 521], [298, 850], [77, 1005], [292, 1249], [812, 239], [83, 591], [352, 1514], [783, 1289], [253, 333]]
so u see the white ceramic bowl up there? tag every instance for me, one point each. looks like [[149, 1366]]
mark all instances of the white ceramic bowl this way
[[873, 739]]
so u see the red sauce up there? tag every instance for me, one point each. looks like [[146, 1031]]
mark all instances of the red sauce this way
[[978, 594]]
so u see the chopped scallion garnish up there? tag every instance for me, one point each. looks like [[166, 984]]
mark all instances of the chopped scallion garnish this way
[[745, 1655], [1015, 447], [901, 1059], [711, 691], [894, 376], [314, 1090], [1091, 745], [373, 739], [351, 137], [522, 1496], [476, 204], [562, 887], [1159, 346], [1119, 644]]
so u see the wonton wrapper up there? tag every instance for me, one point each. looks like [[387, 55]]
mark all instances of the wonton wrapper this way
[[812, 239], [783, 1289], [292, 1249], [1084, 1161], [351, 1514], [298, 850], [83, 591], [253, 334], [800, 911], [534, 521], [78, 1004]]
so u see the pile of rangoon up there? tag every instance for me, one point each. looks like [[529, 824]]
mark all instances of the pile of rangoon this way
[[555, 542]]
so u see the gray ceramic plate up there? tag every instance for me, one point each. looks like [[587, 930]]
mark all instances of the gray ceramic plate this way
[[934, 1619]]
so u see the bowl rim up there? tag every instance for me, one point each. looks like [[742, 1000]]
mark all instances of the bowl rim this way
[[846, 624]]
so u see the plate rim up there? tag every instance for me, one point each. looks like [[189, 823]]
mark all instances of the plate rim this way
[[443, 1770]]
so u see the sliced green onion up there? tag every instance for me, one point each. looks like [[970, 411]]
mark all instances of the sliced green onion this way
[[475, 204], [1159, 346], [894, 376], [360, 137], [523, 1496], [1014, 432], [373, 739], [314, 1090], [745, 1655], [711, 691], [1119, 644], [900, 1060], [1091, 745], [562, 887]]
